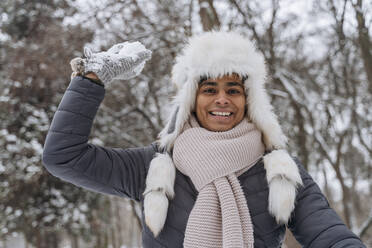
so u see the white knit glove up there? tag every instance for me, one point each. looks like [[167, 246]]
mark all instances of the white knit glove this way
[[122, 61]]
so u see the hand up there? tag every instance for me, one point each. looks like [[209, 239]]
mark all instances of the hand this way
[[121, 61]]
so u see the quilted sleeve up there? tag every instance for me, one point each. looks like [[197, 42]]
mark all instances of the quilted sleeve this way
[[314, 223], [68, 155]]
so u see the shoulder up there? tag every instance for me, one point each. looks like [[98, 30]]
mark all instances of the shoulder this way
[[145, 153], [309, 186], [254, 180]]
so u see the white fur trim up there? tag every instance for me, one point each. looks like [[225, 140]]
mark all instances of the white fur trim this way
[[161, 174], [185, 101], [215, 54], [261, 113], [159, 187], [283, 177], [155, 210], [279, 163], [282, 195]]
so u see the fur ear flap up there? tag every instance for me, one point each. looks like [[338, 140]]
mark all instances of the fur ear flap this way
[[159, 189], [283, 177], [155, 210]]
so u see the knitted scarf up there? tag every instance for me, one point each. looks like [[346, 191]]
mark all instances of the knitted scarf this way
[[213, 160]]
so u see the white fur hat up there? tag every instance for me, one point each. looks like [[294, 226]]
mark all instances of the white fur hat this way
[[214, 54]]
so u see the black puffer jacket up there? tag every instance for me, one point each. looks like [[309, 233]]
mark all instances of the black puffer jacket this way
[[122, 172]]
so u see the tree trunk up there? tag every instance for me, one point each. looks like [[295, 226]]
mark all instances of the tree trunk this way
[[345, 190], [137, 218], [208, 15], [118, 221], [364, 40], [74, 241], [345, 199], [114, 241]]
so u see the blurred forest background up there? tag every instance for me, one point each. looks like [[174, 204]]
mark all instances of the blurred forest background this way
[[319, 54]]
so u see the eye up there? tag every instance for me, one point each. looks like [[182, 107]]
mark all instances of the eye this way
[[209, 90], [233, 91]]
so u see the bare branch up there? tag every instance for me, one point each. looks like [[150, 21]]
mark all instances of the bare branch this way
[[252, 27], [365, 42], [154, 129], [365, 226]]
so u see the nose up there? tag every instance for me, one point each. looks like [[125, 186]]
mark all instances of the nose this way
[[222, 99]]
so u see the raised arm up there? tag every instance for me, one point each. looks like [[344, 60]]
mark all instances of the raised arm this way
[[67, 153], [314, 223]]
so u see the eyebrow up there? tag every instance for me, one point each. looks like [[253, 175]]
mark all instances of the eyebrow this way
[[232, 83], [210, 83]]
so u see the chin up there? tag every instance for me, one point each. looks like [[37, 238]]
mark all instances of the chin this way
[[220, 128]]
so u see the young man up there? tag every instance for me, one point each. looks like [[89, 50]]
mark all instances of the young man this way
[[219, 175]]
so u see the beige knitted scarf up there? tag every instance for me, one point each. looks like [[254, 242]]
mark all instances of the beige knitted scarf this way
[[213, 160]]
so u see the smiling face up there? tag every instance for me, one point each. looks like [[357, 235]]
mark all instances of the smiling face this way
[[220, 103]]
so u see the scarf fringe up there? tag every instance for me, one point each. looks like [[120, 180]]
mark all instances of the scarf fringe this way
[[282, 175]]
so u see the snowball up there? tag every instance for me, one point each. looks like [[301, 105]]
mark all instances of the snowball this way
[[132, 49]]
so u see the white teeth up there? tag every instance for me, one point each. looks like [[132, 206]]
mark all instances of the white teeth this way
[[221, 113]]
